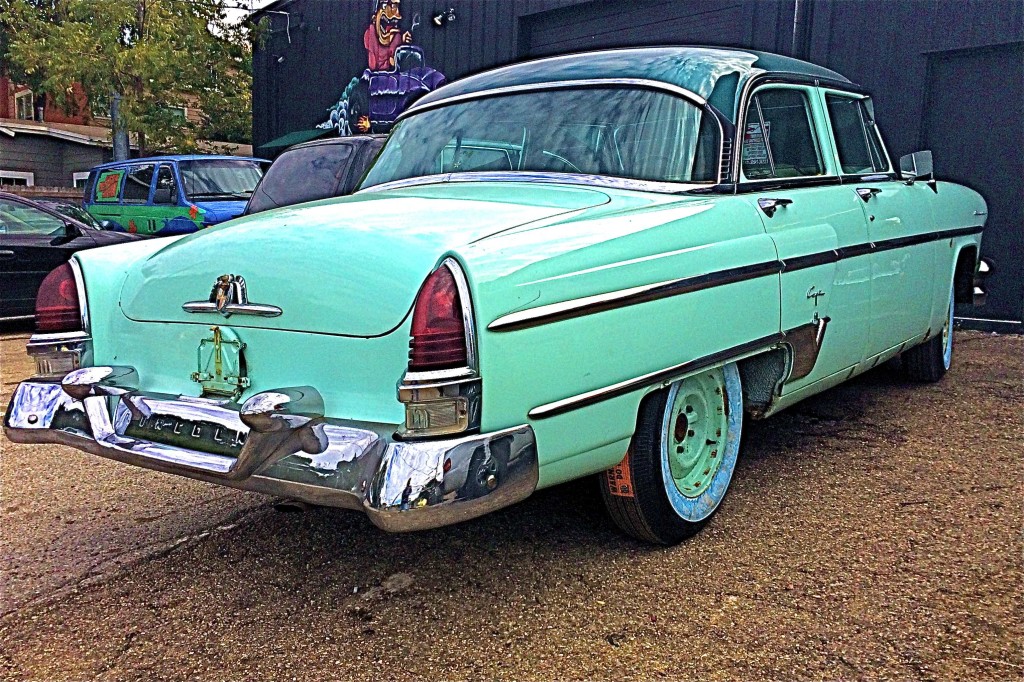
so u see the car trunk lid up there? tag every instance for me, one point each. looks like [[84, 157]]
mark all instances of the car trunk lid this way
[[348, 267]]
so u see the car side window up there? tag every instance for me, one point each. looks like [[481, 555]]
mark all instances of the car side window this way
[[136, 184], [779, 141], [17, 218], [108, 186], [166, 187], [857, 143]]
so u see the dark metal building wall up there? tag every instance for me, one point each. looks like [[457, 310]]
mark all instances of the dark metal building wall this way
[[885, 45], [326, 51]]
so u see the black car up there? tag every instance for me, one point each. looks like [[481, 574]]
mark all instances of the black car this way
[[315, 170], [33, 241]]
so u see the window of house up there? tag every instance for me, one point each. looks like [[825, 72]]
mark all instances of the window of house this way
[[857, 143], [17, 178], [136, 184], [779, 140], [79, 179], [23, 108], [179, 112]]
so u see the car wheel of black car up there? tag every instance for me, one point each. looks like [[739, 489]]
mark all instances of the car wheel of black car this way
[[681, 459], [929, 361]]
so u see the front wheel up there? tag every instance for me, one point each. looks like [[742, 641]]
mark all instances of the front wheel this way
[[930, 361], [681, 459]]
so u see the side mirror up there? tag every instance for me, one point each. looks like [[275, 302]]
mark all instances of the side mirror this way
[[72, 231], [108, 225], [917, 166], [162, 195]]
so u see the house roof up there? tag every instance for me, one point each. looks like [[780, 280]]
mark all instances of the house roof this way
[[96, 136]]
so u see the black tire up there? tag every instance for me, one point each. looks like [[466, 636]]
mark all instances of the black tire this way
[[636, 492], [929, 361]]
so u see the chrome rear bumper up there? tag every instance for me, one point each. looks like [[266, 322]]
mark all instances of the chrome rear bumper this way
[[279, 442]]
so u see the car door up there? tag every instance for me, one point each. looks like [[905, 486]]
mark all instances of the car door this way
[[788, 175], [899, 221], [32, 243], [136, 199]]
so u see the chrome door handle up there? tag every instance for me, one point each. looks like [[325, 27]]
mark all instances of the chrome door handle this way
[[866, 193], [6, 255], [769, 206]]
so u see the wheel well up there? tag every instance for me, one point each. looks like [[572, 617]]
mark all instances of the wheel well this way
[[963, 275], [762, 376]]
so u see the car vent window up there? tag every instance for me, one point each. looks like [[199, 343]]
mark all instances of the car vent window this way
[[857, 141], [779, 139], [136, 184]]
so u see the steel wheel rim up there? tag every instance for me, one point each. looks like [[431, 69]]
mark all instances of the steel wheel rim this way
[[947, 336], [694, 432]]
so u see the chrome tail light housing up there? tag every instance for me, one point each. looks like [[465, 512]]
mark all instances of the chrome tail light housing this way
[[442, 388]]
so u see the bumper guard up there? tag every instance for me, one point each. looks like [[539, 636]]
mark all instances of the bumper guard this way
[[279, 442]]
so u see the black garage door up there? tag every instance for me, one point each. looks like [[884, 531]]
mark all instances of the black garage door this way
[[596, 25], [974, 125]]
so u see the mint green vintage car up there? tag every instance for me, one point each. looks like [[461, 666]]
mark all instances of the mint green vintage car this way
[[601, 263]]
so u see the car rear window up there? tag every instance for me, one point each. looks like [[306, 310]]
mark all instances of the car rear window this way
[[303, 174]]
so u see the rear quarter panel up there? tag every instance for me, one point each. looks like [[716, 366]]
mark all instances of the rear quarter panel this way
[[644, 240]]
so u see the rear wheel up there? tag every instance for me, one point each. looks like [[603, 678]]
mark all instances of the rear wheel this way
[[681, 459], [930, 361]]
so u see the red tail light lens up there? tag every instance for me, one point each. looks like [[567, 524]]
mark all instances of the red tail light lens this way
[[57, 305], [438, 329]]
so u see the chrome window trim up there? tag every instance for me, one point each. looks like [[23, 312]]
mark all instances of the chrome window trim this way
[[683, 93], [742, 179], [604, 181], [83, 304], [886, 173]]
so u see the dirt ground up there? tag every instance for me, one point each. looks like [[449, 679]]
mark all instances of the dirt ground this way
[[872, 532]]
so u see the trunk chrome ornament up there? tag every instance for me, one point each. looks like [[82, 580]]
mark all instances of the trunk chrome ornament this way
[[228, 297]]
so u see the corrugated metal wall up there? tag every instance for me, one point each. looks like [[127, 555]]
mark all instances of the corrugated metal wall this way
[[890, 47]]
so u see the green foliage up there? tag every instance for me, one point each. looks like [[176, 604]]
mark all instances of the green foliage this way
[[158, 54]]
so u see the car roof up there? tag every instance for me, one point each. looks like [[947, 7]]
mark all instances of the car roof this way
[[179, 157], [715, 73], [348, 139]]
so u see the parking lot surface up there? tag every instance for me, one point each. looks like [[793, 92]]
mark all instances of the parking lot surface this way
[[872, 532]]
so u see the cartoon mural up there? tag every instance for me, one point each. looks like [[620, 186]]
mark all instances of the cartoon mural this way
[[396, 76]]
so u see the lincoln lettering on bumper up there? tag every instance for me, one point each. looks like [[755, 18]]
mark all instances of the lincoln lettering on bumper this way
[[279, 442]]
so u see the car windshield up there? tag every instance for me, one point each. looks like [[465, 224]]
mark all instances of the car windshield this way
[[72, 211], [619, 132], [215, 179]]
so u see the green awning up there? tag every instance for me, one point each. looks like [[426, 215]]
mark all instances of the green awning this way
[[295, 137]]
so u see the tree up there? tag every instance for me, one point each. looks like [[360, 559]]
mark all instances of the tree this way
[[157, 55]]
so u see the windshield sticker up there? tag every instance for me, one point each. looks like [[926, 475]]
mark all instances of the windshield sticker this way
[[108, 185], [396, 75], [755, 153]]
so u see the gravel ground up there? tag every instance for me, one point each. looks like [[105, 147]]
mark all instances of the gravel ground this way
[[872, 532]]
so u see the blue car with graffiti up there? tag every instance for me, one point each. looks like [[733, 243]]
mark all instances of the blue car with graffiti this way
[[171, 194]]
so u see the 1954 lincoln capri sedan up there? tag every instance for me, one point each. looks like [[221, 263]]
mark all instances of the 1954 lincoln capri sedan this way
[[592, 264]]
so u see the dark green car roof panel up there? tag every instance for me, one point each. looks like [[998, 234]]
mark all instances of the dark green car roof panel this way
[[716, 74]]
